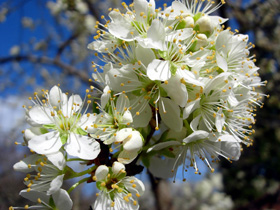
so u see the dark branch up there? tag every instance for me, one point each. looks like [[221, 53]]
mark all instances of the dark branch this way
[[92, 9], [69, 70]]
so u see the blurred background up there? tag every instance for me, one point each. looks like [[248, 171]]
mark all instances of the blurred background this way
[[44, 42]]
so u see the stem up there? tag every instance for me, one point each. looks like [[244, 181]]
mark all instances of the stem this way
[[85, 172], [155, 190], [77, 184], [75, 159]]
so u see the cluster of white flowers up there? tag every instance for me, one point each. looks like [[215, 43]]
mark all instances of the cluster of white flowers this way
[[177, 86]]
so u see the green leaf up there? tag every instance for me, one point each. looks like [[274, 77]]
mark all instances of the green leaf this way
[[63, 137], [69, 173], [196, 113], [98, 185], [173, 68], [136, 92], [207, 33], [43, 130], [49, 126], [162, 54], [181, 25], [185, 67], [80, 131], [164, 135], [51, 203], [187, 125], [167, 153], [220, 70], [196, 28], [213, 47], [192, 48], [121, 176], [146, 161], [94, 109], [197, 16], [163, 93]]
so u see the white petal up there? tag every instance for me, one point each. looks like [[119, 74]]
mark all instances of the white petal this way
[[144, 117], [75, 103], [156, 35], [145, 55], [139, 188], [195, 122], [122, 103], [177, 6], [62, 200], [139, 7], [133, 143], [123, 134], [22, 165], [121, 28], [190, 107], [57, 159], [103, 46], [101, 172], [184, 34], [196, 135], [55, 184], [176, 90], [117, 77], [189, 77], [217, 19], [56, 96], [126, 157], [231, 149], [41, 115], [86, 122], [162, 168], [170, 114], [232, 99], [158, 70], [176, 135], [46, 144], [221, 62], [127, 117], [105, 96], [102, 202], [31, 132], [82, 146], [163, 145], [117, 167], [219, 121], [33, 195], [224, 42], [216, 82], [226, 138]]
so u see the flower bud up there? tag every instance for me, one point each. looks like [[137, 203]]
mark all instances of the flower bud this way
[[123, 134], [200, 41], [189, 22], [31, 132], [117, 167], [134, 142], [101, 172], [205, 25]]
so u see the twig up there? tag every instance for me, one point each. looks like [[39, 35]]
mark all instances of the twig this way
[[70, 70]]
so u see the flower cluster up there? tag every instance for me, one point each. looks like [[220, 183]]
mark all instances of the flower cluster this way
[[176, 87]]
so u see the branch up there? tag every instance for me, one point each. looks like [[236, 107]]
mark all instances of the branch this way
[[92, 9], [155, 189], [69, 70], [65, 44]]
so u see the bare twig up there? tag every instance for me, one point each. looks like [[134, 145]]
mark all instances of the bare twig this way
[[69, 70]]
